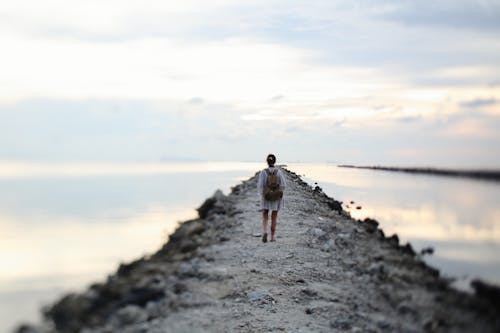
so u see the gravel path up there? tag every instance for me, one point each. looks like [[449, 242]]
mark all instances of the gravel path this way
[[325, 273]]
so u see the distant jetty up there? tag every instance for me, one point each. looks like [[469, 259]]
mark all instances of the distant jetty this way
[[493, 175], [327, 272]]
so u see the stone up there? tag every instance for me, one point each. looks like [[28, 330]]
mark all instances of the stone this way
[[427, 250], [328, 246], [317, 232], [131, 314], [340, 324], [260, 296], [370, 225], [26, 328]]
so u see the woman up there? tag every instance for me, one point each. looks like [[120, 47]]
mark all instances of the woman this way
[[274, 204]]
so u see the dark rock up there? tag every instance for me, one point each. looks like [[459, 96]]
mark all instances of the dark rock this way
[[408, 249], [212, 205], [130, 314], [205, 207], [142, 295], [427, 250], [370, 225], [125, 269], [188, 269], [380, 234], [186, 231], [341, 324], [309, 292], [335, 205], [26, 328], [309, 311], [70, 313], [352, 202], [487, 292], [300, 281], [358, 207], [179, 288], [404, 308], [393, 240], [383, 324], [318, 189], [435, 325]]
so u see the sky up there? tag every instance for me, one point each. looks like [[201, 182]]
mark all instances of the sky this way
[[358, 82]]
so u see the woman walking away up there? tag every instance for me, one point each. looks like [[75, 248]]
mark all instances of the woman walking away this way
[[271, 186]]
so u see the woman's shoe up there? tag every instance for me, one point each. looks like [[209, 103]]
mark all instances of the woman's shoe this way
[[264, 238]]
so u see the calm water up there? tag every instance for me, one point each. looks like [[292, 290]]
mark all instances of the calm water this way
[[63, 226], [458, 217]]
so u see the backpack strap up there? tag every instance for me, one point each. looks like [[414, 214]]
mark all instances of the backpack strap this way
[[269, 172]]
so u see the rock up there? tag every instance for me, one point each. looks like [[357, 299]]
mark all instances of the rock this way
[[309, 293], [179, 288], [212, 205], [435, 324], [335, 205], [408, 249], [189, 229], [377, 268], [328, 246], [205, 207], [140, 296], [487, 291], [383, 324], [358, 207], [189, 269], [403, 308], [26, 328], [317, 232], [130, 314], [309, 311], [427, 250], [340, 324], [370, 225], [393, 240], [126, 269], [260, 296], [344, 235]]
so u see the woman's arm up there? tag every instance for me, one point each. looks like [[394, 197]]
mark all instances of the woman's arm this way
[[261, 182]]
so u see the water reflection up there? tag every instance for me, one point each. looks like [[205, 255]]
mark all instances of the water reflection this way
[[65, 226], [460, 218]]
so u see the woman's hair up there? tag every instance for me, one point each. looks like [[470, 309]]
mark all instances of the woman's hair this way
[[271, 159]]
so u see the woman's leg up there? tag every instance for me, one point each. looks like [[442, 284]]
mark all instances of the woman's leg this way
[[274, 219], [264, 224]]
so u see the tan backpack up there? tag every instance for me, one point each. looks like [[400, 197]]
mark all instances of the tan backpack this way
[[272, 190]]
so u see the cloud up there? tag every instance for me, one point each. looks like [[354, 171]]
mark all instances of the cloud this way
[[479, 102], [462, 14], [137, 80]]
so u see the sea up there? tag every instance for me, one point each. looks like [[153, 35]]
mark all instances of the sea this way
[[64, 226]]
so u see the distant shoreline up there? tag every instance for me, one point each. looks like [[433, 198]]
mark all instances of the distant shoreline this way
[[492, 175]]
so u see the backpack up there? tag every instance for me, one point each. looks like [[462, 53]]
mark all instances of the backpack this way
[[272, 190]]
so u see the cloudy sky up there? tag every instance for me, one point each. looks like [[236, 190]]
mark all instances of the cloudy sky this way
[[371, 82]]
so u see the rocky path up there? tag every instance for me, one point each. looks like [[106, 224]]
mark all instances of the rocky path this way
[[325, 273]]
